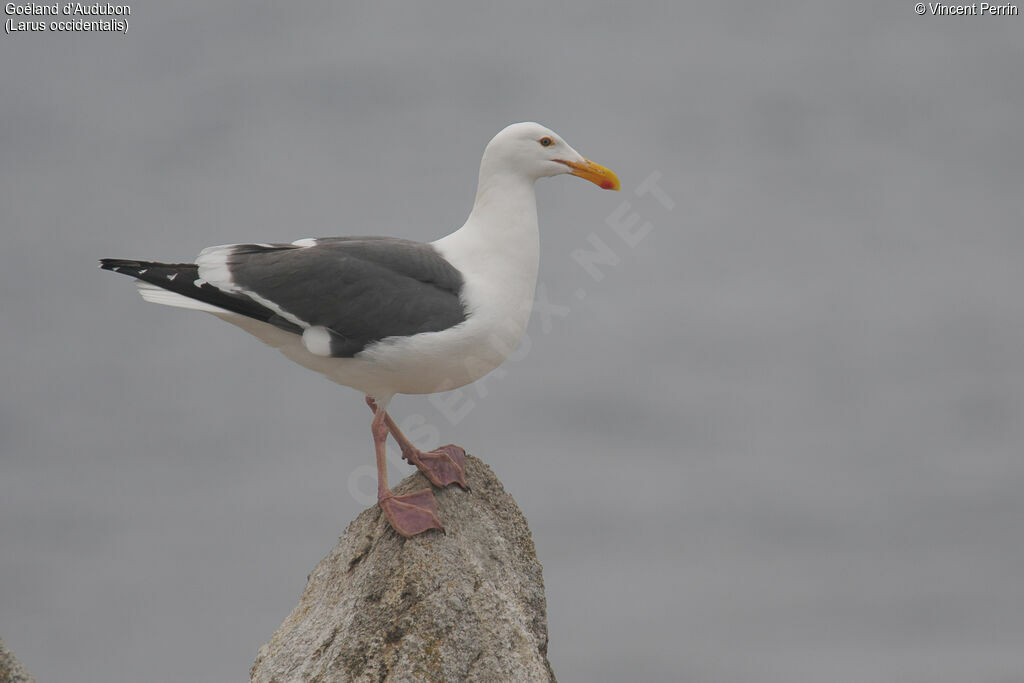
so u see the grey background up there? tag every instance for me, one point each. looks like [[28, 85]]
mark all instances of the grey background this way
[[780, 440]]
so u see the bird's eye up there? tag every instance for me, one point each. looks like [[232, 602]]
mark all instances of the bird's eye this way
[[546, 142]]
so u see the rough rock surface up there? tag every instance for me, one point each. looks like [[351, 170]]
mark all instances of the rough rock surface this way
[[466, 605], [11, 670]]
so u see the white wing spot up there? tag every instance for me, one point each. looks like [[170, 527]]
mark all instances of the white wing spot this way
[[143, 271], [172, 276], [317, 340]]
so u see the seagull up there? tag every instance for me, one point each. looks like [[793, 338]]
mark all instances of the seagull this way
[[388, 316]]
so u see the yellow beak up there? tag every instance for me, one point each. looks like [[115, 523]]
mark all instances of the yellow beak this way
[[595, 173]]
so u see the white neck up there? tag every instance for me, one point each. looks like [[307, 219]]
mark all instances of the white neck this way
[[501, 232], [504, 200], [498, 252]]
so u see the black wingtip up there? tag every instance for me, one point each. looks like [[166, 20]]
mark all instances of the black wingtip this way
[[124, 265], [118, 263]]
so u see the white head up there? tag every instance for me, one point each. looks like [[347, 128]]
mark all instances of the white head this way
[[531, 150]]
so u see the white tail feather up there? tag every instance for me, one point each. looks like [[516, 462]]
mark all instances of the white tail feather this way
[[159, 295]]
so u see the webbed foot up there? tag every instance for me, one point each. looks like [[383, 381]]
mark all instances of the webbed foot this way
[[442, 466], [411, 513]]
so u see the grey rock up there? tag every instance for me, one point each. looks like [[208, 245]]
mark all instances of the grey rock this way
[[465, 605], [11, 670]]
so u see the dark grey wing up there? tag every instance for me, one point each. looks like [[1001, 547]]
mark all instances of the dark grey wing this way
[[362, 289]]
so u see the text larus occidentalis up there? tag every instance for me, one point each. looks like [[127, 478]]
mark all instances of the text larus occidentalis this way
[[389, 316]]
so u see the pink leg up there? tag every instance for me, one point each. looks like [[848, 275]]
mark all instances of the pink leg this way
[[442, 466], [411, 513]]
